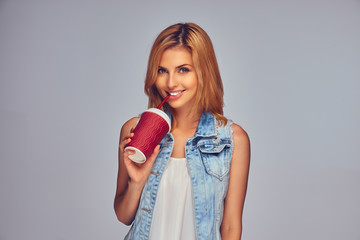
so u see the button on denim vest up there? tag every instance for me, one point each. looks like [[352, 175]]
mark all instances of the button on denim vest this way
[[208, 155]]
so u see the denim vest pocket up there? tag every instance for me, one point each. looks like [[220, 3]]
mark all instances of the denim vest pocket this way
[[216, 159]]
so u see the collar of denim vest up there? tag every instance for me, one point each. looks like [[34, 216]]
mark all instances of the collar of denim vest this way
[[206, 126]]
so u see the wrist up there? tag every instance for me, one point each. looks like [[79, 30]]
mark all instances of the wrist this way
[[137, 186]]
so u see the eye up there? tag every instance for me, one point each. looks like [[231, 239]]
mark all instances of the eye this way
[[161, 70], [184, 70]]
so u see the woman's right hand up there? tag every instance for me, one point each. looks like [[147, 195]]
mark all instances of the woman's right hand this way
[[138, 172]]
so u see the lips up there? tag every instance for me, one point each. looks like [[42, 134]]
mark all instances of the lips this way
[[175, 95]]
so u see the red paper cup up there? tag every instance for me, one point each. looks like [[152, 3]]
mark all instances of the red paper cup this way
[[152, 127]]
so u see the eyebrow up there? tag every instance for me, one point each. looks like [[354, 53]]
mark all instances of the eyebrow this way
[[183, 65]]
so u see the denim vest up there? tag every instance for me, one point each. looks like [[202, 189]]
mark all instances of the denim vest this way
[[208, 155]]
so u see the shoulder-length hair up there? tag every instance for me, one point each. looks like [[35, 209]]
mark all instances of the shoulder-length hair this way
[[195, 39]]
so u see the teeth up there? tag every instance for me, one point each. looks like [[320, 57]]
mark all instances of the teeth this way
[[175, 93]]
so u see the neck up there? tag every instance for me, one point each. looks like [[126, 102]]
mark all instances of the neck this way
[[186, 121]]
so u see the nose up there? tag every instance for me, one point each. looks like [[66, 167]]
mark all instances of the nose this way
[[172, 82]]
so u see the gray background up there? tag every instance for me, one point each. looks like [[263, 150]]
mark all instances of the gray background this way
[[72, 73]]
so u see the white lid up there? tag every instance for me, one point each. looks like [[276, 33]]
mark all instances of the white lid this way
[[161, 114]]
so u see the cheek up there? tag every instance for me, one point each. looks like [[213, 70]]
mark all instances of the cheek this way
[[194, 82], [158, 84], [160, 81]]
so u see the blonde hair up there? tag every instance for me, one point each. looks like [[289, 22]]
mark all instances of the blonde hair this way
[[195, 39]]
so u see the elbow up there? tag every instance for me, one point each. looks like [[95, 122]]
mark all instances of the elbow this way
[[231, 231], [124, 221], [121, 218]]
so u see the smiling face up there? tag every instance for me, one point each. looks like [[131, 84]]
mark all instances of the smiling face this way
[[177, 77]]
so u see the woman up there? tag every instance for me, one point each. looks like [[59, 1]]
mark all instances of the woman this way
[[193, 186]]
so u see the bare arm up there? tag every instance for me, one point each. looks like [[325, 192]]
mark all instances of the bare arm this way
[[231, 227], [131, 177]]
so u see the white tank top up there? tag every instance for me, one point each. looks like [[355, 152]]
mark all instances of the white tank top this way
[[173, 216]]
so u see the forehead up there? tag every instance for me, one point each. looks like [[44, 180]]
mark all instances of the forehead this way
[[176, 56]]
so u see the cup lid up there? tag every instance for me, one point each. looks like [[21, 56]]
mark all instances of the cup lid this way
[[161, 114]]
